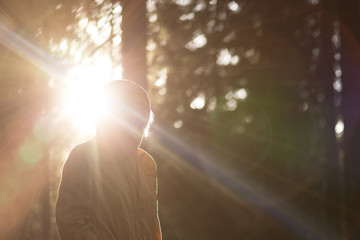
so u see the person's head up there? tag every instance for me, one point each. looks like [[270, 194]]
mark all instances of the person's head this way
[[128, 115]]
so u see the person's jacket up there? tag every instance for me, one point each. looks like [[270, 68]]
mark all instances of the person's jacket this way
[[106, 198]]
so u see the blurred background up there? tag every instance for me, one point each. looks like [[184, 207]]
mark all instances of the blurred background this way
[[256, 103]]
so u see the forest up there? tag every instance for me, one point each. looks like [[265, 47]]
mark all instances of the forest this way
[[256, 108]]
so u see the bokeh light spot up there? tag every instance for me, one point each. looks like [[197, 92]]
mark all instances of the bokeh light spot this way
[[30, 153], [198, 102], [241, 94], [339, 128], [178, 124], [183, 2], [198, 41], [224, 57], [231, 105], [234, 6], [211, 104]]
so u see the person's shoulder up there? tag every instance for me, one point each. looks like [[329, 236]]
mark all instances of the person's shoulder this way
[[76, 167], [147, 160], [78, 154], [79, 150]]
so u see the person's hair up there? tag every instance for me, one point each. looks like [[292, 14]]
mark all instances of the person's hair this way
[[130, 101]]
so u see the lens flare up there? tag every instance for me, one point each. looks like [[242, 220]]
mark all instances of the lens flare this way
[[84, 101]]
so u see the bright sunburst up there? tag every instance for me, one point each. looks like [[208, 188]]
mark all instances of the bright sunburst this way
[[84, 100]]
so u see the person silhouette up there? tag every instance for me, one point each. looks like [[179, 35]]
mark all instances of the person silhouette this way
[[108, 188]]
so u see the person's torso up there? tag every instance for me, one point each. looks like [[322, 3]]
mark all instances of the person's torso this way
[[124, 197]]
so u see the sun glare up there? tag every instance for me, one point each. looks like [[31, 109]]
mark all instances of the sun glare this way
[[84, 101]]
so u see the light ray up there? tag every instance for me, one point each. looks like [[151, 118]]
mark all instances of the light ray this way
[[240, 186], [29, 52]]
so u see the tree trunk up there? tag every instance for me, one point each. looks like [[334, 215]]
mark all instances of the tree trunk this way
[[134, 27]]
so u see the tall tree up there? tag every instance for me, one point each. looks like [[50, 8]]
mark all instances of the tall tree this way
[[134, 38]]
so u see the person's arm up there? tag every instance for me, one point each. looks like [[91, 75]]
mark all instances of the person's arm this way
[[157, 221], [151, 170], [73, 205], [158, 227]]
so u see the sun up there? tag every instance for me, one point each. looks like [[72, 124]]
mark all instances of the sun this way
[[84, 101], [83, 104]]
